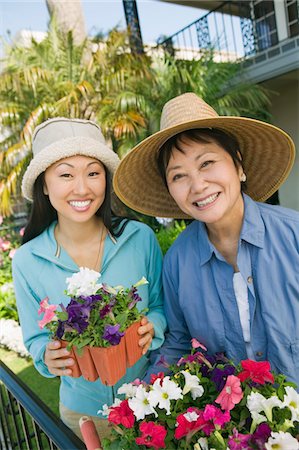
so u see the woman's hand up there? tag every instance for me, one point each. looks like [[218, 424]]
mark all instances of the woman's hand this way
[[56, 359], [147, 332]]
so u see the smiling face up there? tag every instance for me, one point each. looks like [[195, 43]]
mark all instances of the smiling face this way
[[204, 182], [76, 187]]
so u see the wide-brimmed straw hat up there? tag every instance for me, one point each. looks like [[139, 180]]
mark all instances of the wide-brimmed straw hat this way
[[60, 138], [268, 154]]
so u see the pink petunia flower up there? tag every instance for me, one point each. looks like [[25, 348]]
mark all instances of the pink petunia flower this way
[[4, 245], [122, 415], [48, 317], [215, 415], [44, 304], [48, 310], [231, 394], [152, 435], [257, 371], [12, 252], [22, 231], [239, 441], [196, 344]]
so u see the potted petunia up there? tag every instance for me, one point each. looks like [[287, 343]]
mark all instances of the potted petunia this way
[[206, 402], [99, 326]]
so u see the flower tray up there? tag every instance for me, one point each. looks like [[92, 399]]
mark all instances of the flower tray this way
[[108, 363], [133, 351]]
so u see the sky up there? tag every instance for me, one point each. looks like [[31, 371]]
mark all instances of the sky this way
[[156, 18]]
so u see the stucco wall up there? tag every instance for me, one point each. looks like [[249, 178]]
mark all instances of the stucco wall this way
[[285, 113]]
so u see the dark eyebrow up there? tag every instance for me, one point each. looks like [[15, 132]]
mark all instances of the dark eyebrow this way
[[195, 159], [70, 165]]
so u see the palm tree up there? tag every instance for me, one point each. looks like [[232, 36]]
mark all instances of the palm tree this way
[[102, 81], [58, 78], [69, 17]]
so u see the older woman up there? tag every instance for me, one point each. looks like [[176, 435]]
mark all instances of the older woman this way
[[231, 278]]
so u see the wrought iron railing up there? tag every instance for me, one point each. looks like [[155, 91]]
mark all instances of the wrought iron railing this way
[[26, 423], [235, 30]]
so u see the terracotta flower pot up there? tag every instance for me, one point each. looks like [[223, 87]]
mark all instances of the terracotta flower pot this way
[[76, 372], [110, 362], [86, 364], [133, 350]]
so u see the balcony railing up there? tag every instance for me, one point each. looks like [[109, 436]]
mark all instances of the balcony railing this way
[[26, 423], [235, 31]]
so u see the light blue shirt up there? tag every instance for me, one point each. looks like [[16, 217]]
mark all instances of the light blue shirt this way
[[199, 295], [40, 272]]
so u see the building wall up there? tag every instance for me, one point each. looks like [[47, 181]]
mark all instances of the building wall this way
[[285, 114]]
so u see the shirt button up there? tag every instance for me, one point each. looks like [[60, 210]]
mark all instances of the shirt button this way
[[259, 353], [249, 279]]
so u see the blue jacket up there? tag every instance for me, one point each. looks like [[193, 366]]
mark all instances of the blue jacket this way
[[38, 273], [200, 300]]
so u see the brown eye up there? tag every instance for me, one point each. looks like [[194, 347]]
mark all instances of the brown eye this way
[[206, 163]]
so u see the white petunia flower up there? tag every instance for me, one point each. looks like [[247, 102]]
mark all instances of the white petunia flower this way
[[257, 403], [6, 287], [281, 441], [106, 409], [83, 283], [192, 385], [128, 389], [255, 406], [141, 282], [11, 337], [269, 404], [161, 395], [140, 404], [202, 444], [291, 401], [191, 416]]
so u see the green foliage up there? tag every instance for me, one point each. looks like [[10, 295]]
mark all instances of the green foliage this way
[[47, 389], [167, 235], [105, 82], [9, 241]]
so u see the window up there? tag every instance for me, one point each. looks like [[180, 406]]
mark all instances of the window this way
[[293, 17], [265, 24]]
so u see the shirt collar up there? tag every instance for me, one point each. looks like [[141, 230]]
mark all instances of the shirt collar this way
[[253, 231]]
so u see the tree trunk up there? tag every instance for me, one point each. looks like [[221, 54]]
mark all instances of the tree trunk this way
[[69, 17]]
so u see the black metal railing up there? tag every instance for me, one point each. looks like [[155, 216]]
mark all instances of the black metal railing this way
[[234, 30], [26, 422]]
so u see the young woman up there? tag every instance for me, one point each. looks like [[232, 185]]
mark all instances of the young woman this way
[[71, 225], [231, 278]]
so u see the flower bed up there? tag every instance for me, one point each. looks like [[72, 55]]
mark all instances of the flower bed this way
[[207, 402]]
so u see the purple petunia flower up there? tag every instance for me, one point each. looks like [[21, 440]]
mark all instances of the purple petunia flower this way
[[219, 376], [107, 308], [135, 297], [261, 436], [112, 334]]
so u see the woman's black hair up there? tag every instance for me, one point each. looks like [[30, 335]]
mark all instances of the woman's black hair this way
[[202, 135], [43, 214]]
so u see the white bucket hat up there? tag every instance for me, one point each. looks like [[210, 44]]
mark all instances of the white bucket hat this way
[[60, 138]]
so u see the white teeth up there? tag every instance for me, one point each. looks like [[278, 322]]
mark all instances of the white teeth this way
[[207, 201], [78, 204]]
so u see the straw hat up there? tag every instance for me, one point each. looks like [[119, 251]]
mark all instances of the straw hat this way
[[60, 138], [268, 155]]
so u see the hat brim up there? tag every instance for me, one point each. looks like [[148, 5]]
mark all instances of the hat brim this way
[[268, 155], [65, 148]]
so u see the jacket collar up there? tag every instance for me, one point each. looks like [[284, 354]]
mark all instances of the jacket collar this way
[[253, 231], [45, 246]]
